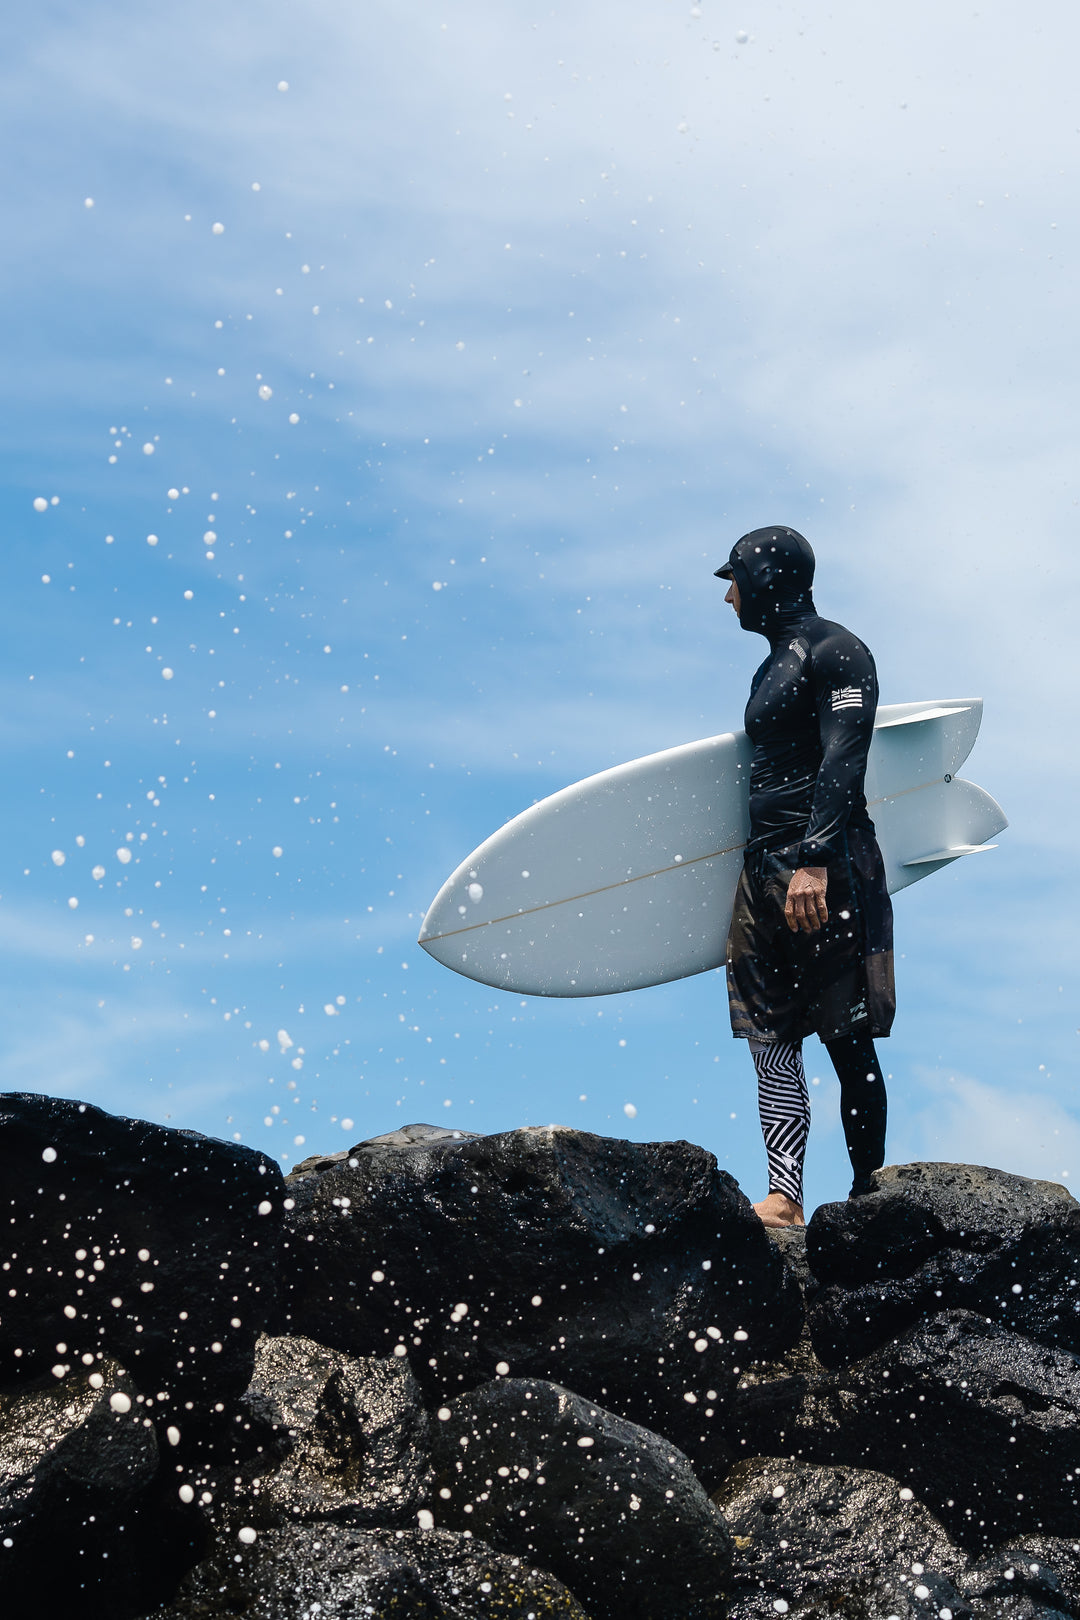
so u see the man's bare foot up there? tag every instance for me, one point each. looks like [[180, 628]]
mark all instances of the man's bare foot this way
[[779, 1210]]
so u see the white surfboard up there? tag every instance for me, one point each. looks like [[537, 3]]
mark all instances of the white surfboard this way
[[627, 878]]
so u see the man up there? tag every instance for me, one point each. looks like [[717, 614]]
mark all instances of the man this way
[[810, 946]]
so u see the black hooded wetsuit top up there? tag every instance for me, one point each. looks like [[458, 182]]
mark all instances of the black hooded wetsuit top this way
[[810, 716]]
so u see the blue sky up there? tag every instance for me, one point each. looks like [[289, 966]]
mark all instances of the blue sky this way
[[517, 319]]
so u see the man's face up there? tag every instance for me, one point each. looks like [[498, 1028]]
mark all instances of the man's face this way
[[733, 597]]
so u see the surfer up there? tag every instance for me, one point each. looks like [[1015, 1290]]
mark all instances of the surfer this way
[[810, 945]]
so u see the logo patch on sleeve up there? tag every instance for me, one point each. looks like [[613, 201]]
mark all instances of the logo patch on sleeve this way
[[846, 697], [800, 649]]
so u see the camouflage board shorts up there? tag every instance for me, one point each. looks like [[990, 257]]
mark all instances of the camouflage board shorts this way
[[784, 986]]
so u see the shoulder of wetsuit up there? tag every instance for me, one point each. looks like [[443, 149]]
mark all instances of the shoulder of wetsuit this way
[[838, 658], [826, 638]]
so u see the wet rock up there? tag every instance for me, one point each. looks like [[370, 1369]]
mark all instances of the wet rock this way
[[1015, 1584], [800, 1357], [983, 1425], [409, 1136], [126, 1239], [612, 1509], [336, 1571], [827, 1539], [636, 1274], [332, 1436], [933, 1237], [1053, 1561], [791, 1241], [81, 1527]]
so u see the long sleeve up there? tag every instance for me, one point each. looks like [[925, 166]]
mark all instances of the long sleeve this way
[[845, 696]]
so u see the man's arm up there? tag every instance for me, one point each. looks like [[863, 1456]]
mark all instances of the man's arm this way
[[845, 694]]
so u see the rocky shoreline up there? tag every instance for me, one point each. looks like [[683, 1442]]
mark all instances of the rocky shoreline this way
[[534, 1374]]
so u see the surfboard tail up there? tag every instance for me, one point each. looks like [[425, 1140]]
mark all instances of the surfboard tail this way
[[922, 831]]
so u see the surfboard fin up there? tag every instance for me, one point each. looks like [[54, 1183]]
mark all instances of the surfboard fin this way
[[938, 712], [950, 854]]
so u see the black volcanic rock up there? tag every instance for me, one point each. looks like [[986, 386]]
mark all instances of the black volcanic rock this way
[[833, 1540], [407, 1136], [332, 1437], [537, 1295], [340, 1572], [933, 1237], [121, 1238], [1016, 1586], [611, 1508], [983, 1425], [1046, 1569], [82, 1527], [595, 1262]]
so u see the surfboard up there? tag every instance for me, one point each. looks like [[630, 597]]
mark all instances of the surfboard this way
[[626, 879]]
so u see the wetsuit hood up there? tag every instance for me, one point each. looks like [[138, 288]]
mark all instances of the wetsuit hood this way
[[774, 570]]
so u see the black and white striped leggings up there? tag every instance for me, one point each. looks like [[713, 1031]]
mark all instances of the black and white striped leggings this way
[[784, 1106]]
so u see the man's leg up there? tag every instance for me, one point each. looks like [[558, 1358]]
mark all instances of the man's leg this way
[[784, 1106], [862, 1104]]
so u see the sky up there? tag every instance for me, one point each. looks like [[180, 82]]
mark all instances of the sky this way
[[383, 386]]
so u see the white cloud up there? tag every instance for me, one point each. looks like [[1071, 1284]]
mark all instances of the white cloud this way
[[81, 1052], [1029, 1133]]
